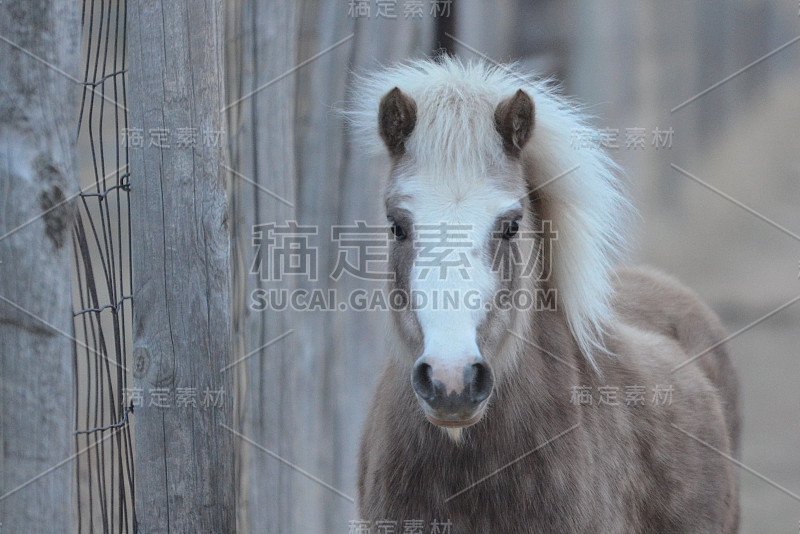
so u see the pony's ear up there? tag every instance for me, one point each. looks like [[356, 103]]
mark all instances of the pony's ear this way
[[397, 116], [513, 119]]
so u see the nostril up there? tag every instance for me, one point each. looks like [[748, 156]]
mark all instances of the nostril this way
[[422, 380], [481, 383]]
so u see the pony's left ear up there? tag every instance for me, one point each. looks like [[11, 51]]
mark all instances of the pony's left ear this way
[[513, 119], [397, 116]]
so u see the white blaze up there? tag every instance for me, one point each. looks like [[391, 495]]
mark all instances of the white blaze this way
[[453, 272]]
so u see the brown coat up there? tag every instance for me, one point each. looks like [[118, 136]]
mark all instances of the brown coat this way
[[633, 467]]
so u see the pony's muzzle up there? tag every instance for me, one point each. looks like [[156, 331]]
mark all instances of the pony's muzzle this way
[[452, 393]]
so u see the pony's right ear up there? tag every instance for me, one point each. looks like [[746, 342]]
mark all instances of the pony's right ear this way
[[397, 116], [514, 119]]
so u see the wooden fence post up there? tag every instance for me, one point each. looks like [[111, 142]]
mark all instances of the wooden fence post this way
[[39, 56], [290, 67], [181, 263]]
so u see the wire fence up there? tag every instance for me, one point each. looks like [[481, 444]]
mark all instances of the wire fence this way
[[103, 281]]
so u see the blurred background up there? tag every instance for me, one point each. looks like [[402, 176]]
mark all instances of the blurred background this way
[[710, 88]]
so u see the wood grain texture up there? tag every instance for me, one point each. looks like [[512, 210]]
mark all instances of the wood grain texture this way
[[181, 251], [38, 109], [298, 397], [263, 154]]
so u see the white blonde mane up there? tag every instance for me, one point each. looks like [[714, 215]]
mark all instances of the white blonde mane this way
[[586, 205]]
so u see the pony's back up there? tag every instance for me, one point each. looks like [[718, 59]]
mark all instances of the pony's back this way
[[652, 300]]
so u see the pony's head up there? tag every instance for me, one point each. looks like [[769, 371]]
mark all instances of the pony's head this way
[[481, 163]]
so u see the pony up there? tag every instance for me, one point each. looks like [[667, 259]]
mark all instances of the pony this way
[[492, 414]]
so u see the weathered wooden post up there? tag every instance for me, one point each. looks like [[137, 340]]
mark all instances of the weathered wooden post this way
[[181, 249], [39, 51], [291, 68]]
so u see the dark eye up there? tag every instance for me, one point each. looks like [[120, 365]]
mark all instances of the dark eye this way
[[397, 231], [510, 229]]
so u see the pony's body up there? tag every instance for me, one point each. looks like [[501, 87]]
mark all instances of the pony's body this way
[[526, 456], [624, 469]]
